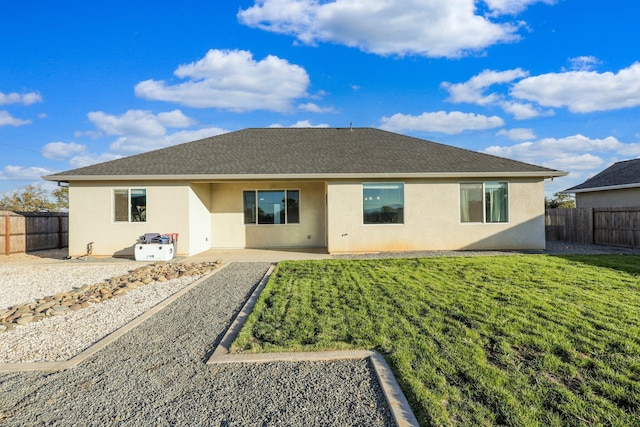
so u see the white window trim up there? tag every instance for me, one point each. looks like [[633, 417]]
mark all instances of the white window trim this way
[[484, 211], [113, 205], [286, 213]]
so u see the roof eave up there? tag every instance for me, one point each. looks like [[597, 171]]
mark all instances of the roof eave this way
[[603, 188], [306, 176]]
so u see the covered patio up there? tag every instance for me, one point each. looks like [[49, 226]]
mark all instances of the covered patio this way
[[259, 255]]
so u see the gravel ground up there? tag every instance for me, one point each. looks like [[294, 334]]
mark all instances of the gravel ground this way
[[62, 337], [156, 375], [24, 282]]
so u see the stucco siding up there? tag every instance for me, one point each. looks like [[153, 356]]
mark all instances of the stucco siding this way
[[91, 217], [199, 218], [210, 215], [228, 229], [622, 198], [432, 219]]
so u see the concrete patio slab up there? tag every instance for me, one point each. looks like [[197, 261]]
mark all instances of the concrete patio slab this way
[[259, 255]]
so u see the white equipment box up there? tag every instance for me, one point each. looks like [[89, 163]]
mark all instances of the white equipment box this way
[[154, 252]]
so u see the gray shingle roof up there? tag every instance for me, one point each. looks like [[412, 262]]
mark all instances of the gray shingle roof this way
[[308, 151], [624, 173]]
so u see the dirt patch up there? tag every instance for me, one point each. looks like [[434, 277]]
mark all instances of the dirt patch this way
[[46, 256], [555, 247], [54, 256]]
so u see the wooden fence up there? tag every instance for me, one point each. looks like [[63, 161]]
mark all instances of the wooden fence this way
[[33, 231], [598, 226]]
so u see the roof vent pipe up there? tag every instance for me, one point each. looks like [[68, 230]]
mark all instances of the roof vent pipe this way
[[351, 126]]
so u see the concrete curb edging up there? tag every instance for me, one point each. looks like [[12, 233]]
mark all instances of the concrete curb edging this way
[[398, 403], [106, 340]]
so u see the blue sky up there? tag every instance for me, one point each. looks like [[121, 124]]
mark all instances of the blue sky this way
[[550, 82]]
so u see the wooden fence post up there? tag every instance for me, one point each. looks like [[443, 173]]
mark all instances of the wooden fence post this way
[[7, 235], [59, 232], [592, 228]]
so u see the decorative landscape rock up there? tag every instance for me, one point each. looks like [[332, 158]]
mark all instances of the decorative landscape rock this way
[[82, 297]]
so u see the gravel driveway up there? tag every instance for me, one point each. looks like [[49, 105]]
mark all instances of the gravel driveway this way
[[156, 375]]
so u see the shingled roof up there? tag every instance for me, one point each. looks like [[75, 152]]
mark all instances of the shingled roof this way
[[624, 174], [273, 153]]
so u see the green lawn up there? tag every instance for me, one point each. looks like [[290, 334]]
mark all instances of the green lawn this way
[[517, 340]]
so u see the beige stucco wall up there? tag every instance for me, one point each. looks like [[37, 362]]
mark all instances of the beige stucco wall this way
[[623, 198], [432, 219], [210, 215], [91, 217], [227, 220], [199, 218]]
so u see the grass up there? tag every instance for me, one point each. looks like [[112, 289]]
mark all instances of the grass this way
[[512, 340]]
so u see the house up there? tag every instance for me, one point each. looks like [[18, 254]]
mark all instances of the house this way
[[346, 190], [618, 186]]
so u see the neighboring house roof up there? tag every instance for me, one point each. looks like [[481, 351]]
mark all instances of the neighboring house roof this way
[[272, 153], [625, 174]]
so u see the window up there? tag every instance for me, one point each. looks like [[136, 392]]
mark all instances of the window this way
[[271, 206], [484, 202], [471, 202], [130, 205], [383, 203], [249, 207]]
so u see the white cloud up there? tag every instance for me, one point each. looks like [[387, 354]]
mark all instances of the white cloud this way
[[553, 146], [23, 173], [631, 150], [501, 7], [63, 150], [445, 122], [472, 91], [78, 155], [89, 159], [137, 131], [523, 111], [583, 63], [571, 153], [132, 144], [583, 91], [16, 98], [579, 155], [432, 28], [517, 134], [175, 119], [7, 120], [314, 108], [232, 80], [139, 122], [301, 124], [585, 162]]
